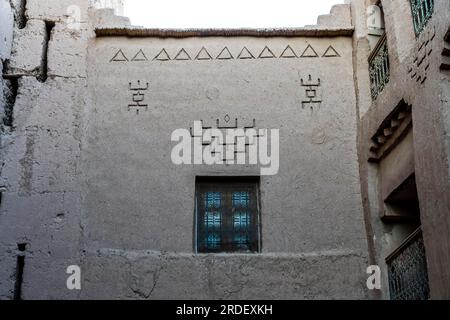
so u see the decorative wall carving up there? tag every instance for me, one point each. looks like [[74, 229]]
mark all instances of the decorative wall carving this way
[[182, 55], [245, 54], [203, 54], [225, 54], [266, 53], [228, 123], [331, 52], [390, 132], [288, 53], [140, 56], [309, 52], [312, 98], [162, 56], [137, 96], [119, 57], [418, 68]]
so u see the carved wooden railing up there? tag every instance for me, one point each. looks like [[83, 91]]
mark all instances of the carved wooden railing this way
[[407, 267], [379, 67], [422, 11]]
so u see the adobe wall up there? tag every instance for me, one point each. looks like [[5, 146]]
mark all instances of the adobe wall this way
[[139, 206], [88, 181]]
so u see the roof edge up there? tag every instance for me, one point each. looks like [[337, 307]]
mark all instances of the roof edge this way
[[136, 32]]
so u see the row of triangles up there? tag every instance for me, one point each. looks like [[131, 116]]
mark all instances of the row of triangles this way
[[225, 54]]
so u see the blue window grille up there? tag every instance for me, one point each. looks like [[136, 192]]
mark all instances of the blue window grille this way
[[241, 220], [379, 68], [242, 241], [422, 11], [241, 199], [213, 220], [213, 241], [227, 216], [213, 199]]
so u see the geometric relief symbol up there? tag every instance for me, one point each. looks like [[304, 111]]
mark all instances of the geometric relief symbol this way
[[137, 93], [224, 125], [203, 55], [140, 56], [227, 119], [245, 54], [421, 63], [162, 56], [309, 52], [288, 53], [266, 54], [225, 54], [119, 57], [312, 93], [182, 55], [331, 52]]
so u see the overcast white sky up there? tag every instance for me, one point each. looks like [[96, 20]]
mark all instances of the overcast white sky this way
[[226, 13]]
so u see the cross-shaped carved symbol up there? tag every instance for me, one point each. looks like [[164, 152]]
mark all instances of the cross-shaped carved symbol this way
[[312, 97], [138, 96]]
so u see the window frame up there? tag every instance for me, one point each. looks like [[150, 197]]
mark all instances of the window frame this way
[[247, 181]]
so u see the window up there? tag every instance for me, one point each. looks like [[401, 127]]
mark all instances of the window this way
[[407, 266], [375, 24], [379, 67], [227, 215], [422, 11]]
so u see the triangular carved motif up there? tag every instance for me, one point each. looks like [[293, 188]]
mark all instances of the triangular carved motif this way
[[245, 54], [225, 54], [203, 55], [331, 52], [288, 53], [140, 56], [119, 56], [266, 54], [162, 56], [309, 52], [182, 55]]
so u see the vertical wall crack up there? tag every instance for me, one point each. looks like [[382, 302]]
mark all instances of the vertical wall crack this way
[[10, 92], [42, 77], [21, 13], [19, 270]]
